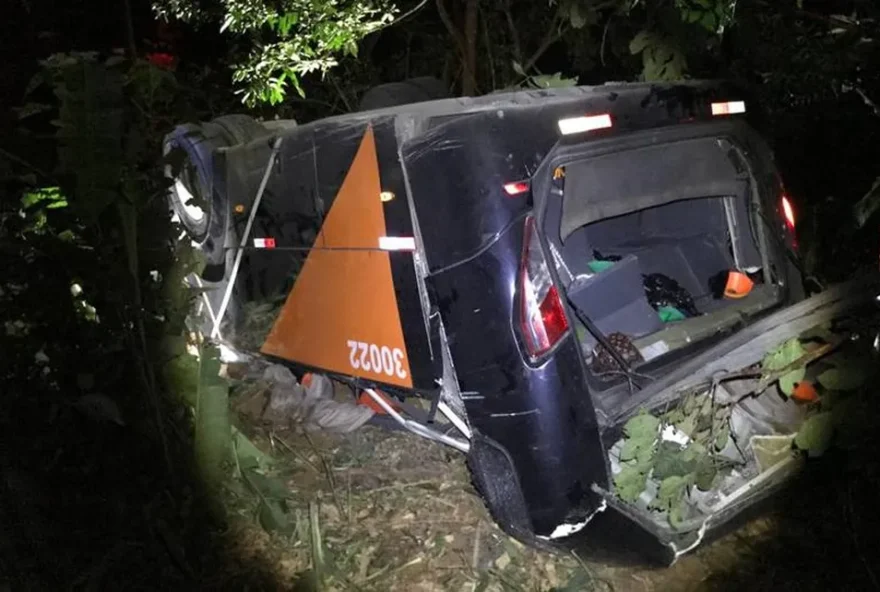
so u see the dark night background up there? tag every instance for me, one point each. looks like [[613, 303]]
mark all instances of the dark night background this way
[[85, 503]]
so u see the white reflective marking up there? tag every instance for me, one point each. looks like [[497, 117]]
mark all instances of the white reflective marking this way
[[397, 243], [728, 108], [586, 123]]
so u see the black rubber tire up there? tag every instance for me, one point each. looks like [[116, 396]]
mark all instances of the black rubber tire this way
[[413, 90], [241, 128], [198, 143]]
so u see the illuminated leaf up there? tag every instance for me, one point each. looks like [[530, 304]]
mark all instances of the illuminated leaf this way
[[722, 437], [788, 382], [643, 425], [629, 483], [641, 432], [782, 356], [642, 40], [578, 20], [671, 460], [705, 474], [670, 493], [815, 434]]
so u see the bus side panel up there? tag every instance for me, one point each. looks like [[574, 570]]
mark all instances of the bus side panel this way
[[540, 414]]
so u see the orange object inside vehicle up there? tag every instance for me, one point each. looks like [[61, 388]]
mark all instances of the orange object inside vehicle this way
[[805, 392], [738, 285]]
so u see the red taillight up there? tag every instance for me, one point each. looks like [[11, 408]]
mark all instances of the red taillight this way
[[543, 319], [513, 189], [788, 212], [788, 215]]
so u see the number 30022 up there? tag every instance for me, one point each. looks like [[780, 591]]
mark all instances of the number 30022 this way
[[373, 358]]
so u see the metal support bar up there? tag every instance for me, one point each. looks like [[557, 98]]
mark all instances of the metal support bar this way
[[454, 419], [227, 294], [416, 427]]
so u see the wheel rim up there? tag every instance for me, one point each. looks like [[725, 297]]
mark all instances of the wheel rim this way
[[187, 189], [187, 194]]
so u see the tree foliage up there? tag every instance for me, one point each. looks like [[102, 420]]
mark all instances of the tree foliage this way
[[286, 40]]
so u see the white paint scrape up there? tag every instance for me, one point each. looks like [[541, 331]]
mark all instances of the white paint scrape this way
[[566, 530], [700, 534]]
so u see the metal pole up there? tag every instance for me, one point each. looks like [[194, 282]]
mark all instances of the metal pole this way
[[244, 237]]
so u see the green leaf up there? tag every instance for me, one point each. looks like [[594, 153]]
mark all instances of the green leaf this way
[[273, 518], [704, 476], [269, 488], [645, 455], [671, 460], [642, 425], [722, 437], [642, 40], [849, 375], [670, 493], [688, 425], [212, 429], [517, 67], [815, 434], [630, 482], [248, 455], [641, 434], [578, 20], [709, 21], [676, 513], [782, 356], [675, 416], [181, 375], [787, 382], [552, 81]]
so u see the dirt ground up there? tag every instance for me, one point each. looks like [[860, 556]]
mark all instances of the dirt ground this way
[[397, 512]]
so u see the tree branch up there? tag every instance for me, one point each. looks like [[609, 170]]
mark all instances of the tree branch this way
[[552, 36], [408, 13], [514, 33], [450, 27], [26, 164], [489, 57], [471, 20], [460, 45], [129, 30]]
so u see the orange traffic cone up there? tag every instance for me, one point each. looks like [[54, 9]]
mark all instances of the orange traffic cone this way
[[738, 285]]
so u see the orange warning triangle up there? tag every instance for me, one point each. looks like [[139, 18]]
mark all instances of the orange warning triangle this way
[[341, 315]]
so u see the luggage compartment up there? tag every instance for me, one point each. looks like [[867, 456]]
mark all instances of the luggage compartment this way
[[646, 240]]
